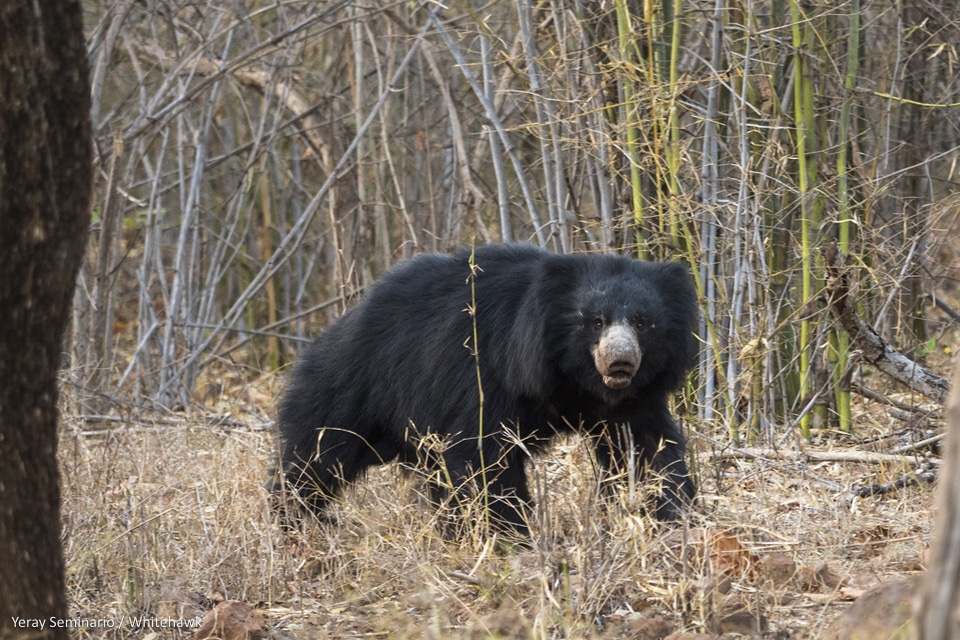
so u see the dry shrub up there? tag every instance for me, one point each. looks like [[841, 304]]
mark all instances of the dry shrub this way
[[167, 518]]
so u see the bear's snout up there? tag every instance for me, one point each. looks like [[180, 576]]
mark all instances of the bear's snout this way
[[617, 356]]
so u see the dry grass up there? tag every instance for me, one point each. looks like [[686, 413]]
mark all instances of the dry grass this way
[[165, 518]]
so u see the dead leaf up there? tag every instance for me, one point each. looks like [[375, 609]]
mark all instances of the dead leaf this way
[[232, 620], [743, 622], [728, 557], [505, 623], [850, 593], [645, 628]]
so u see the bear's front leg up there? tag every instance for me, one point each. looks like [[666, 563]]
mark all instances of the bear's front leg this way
[[658, 452]]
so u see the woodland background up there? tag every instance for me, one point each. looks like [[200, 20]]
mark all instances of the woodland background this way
[[260, 163]]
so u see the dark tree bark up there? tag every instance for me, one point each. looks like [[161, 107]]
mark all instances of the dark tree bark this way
[[45, 181]]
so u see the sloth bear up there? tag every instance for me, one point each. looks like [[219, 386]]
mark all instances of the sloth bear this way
[[462, 365]]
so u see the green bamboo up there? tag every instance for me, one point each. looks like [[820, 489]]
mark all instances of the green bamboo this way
[[802, 115], [655, 149], [630, 59], [840, 340], [673, 127]]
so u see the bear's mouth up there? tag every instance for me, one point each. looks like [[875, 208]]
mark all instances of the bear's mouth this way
[[619, 375]]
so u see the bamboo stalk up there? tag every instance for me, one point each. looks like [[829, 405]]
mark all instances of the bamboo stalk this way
[[287, 246], [845, 223], [547, 137], [672, 150], [629, 59], [802, 119], [494, 119], [709, 175], [99, 352], [496, 156], [740, 261], [598, 132], [266, 250]]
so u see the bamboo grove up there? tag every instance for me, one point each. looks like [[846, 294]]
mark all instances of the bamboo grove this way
[[260, 163]]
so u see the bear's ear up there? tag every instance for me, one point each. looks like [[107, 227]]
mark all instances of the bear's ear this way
[[680, 293], [681, 308], [528, 369]]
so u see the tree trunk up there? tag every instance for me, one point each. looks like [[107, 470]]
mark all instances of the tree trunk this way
[[939, 615], [45, 180]]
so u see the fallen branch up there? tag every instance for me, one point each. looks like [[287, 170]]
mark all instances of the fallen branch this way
[[301, 108], [871, 394], [466, 577], [875, 349], [867, 457], [915, 446], [925, 474], [943, 306]]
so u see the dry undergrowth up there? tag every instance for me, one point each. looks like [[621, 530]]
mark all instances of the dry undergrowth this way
[[164, 518]]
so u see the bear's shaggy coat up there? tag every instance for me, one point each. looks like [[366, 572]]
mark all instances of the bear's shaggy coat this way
[[587, 343]]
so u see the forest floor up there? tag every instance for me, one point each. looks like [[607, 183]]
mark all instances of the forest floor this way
[[166, 517]]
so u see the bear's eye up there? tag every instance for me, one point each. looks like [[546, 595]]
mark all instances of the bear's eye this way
[[598, 323], [640, 323]]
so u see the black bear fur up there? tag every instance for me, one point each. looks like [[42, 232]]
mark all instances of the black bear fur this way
[[403, 363]]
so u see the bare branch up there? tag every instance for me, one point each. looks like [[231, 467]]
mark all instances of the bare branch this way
[[875, 349], [867, 457]]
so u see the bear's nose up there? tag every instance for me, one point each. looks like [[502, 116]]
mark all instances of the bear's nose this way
[[617, 356]]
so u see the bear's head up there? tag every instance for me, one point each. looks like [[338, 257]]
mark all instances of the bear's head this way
[[636, 322], [609, 326]]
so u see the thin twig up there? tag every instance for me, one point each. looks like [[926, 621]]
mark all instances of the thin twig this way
[[287, 246]]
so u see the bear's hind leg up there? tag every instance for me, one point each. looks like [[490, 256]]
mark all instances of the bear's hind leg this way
[[338, 457], [509, 499]]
